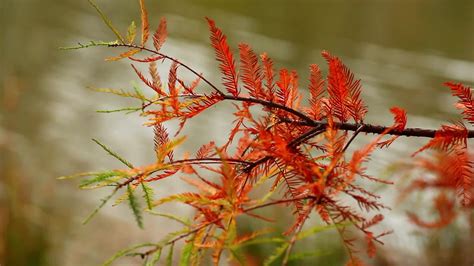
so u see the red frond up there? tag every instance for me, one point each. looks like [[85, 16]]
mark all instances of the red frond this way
[[344, 91], [147, 59], [316, 89], [142, 77], [251, 71], [465, 102], [375, 220], [225, 57], [206, 150], [445, 208], [159, 37], [400, 122], [161, 138], [155, 77], [269, 74], [283, 91], [203, 104], [189, 89], [447, 137], [172, 78], [462, 174]]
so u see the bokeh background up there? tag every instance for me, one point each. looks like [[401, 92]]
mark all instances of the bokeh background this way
[[402, 51]]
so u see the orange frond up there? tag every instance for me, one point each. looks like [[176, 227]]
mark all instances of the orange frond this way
[[284, 90], [155, 77], [159, 37], [225, 57], [123, 55], [400, 122], [445, 208], [145, 23], [344, 91], [448, 137], [203, 104], [161, 138], [251, 71], [269, 74], [172, 78], [206, 150], [316, 89], [465, 102]]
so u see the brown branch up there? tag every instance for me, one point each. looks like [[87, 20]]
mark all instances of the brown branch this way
[[376, 129], [270, 104]]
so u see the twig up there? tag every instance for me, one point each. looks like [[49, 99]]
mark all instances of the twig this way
[[376, 129]]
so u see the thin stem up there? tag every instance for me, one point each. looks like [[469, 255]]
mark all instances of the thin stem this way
[[353, 137], [278, 202], [270, 104], [187, 161], [172, 59]]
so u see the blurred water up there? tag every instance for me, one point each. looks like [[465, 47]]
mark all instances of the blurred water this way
[[402, 50]]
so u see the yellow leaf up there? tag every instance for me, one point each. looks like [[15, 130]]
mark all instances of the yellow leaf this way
[[123, 55], [145, 25], [131, 32]]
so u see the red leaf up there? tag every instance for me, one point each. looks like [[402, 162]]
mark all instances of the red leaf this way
[[225, 57], [344, 91], [172, 77], [251, 72], [268, 73], [445, 208], [316, 89], [160, 35], [400, 122], [466, 102], [447, 137]]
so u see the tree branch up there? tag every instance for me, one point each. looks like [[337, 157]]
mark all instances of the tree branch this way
[[376, 129]]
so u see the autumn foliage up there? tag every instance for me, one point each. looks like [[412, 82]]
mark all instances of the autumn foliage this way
[[289, 139]]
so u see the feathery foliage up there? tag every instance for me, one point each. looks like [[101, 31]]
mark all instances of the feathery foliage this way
[[301, 152]]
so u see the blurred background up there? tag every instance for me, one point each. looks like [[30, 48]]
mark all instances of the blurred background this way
[[402, 51]]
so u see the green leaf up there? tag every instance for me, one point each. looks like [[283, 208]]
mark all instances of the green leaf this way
[[102, 204], [186, 254], [148, 195], [169, 258], [139, 93], [106, 20], [101, 177], [134, 205], [126, 251], [126, 109], [154, 260], [276, 254], [113, 154], [77, 175], [131, 32], [89, 44], [121, 93]]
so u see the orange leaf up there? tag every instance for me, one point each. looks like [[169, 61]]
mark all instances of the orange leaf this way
[[160, 35], [225, 57], [145, 24]]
